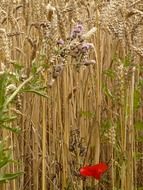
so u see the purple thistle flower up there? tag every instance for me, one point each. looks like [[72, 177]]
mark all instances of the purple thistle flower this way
[[85, 47], [60, 42], [77, 31]]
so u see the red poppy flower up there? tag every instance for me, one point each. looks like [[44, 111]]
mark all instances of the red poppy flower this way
[[95, 171]]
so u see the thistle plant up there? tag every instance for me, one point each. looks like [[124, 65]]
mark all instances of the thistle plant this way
[[71, 94]]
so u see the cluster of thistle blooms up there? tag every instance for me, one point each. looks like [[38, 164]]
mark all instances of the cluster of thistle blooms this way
[[75, 46]]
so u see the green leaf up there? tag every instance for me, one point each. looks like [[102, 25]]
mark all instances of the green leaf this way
[[38, 92], [87, 114], [3, 82], [18, 66], [6, 177], [138, 156], [106, 124], [5, 118], [13, 129], [139, 125], [4, 162], [34, 69], [137, 99], [140, 188], [139, 139], [5, 155], [110, 73], [107, 91], [127, 61]]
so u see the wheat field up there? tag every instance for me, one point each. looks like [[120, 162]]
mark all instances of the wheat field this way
[[71, 83]]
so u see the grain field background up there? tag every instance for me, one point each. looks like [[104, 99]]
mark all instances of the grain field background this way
[[71, 84]]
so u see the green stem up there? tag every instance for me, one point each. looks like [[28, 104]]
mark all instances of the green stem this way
[[19, 88]]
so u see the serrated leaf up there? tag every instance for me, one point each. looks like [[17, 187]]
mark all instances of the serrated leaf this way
[[13, 129], [6, 177]]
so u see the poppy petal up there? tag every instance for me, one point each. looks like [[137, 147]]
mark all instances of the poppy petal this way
[[95, 171]]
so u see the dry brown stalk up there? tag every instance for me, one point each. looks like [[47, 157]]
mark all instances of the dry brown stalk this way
[[95, 99]]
